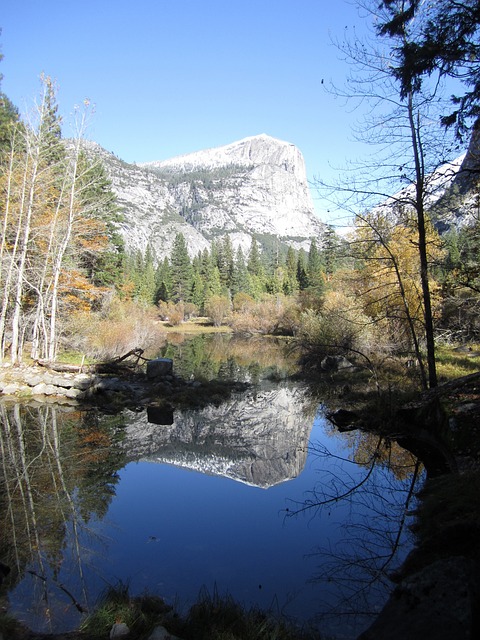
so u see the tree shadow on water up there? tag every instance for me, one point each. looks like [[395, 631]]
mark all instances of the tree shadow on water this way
[[369, 496]]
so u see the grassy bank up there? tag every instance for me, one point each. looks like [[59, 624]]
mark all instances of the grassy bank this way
[[194, 326], [212, 617]]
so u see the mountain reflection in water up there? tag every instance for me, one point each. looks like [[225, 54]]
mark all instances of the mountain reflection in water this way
[[259, 437], [202, 501]]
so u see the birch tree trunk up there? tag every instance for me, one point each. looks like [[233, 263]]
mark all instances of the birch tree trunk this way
[[8, 255], [64, 244], [33, 153]]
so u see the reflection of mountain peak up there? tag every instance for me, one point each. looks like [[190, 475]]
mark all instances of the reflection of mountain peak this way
[[259, 437]]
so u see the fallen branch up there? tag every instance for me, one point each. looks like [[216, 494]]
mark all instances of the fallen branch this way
[[76, 604], [110, 366]]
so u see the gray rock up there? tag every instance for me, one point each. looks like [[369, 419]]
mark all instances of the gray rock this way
[[159, 367], [60, 380], [335, 363], [39, 389], [43, 389], [83, 381], [11, 389], [119, 630], [32, 379], [160, 633], [73, 393], [51, 390], [264, 191]]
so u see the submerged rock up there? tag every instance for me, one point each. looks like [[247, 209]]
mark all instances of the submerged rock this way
[[160, 633], [119, 630], [344, 419]]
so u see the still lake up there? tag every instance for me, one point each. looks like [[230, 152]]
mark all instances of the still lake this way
[[258, 497]]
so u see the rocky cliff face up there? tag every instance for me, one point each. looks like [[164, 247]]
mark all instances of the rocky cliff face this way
[[458, 205], [260, 438], [452, 192], [256, 186]]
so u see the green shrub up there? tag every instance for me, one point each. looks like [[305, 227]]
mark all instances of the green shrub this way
[[217, 309], [338, 328]]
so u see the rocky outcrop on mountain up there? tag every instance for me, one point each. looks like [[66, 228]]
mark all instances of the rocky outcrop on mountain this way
[[458, 205], [260, 438], [253, 187], [451, 192]]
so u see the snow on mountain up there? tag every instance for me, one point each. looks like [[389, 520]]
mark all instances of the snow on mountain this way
[[260, 438], [451, 192], [254, 187]]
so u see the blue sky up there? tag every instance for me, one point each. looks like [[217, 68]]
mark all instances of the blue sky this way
[[171, 77]]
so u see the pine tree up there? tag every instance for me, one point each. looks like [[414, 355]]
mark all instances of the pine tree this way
[[146, 279], [240, 281], [197, 283], [276, 283], [302, 270], [102, 261], [163, 281], [8, 119], [225, 261], [181, 270], [254, 264], [213, 286], [331, 253], [446, 42], [314, 268], [50, 130], [290, 286], [197, 292]]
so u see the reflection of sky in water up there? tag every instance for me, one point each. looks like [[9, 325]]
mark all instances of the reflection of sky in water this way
[[172, 531]]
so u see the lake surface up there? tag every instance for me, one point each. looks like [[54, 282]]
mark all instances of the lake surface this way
[[259, 497]]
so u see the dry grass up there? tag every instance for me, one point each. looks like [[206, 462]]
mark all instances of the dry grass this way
[[115, 330], [195, 326], [455, 362]]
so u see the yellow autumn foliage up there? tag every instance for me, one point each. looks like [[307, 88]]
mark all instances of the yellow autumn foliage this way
[[387, 278]]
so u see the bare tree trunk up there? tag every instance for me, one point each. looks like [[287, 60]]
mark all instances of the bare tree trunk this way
[[33, 152], [64, 244], [75, 518], [7, 283], [40, 335], [422, 243], [6, 456]]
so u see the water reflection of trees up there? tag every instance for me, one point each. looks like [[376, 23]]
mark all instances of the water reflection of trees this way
[[371, 493], [58, 470], [228, 356]]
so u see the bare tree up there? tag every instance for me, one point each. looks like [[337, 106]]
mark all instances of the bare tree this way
[[409, 145]]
